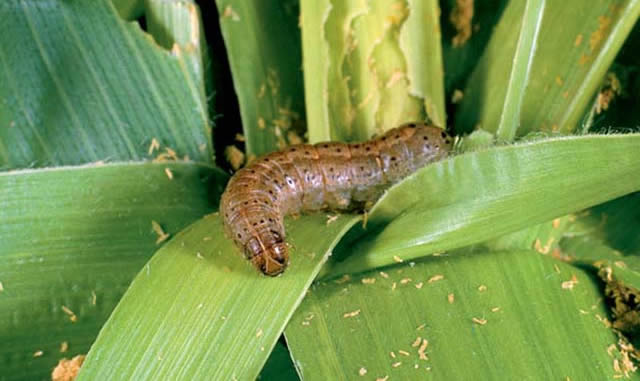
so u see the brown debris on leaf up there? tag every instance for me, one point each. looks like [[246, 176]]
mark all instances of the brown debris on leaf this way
[[479, 321], [72, 316], [625, 308], [169, 173], [460, 17], [153, 146], [599, 36], [351, 314], [230, 13], [294, 138], [457, 96], [234, 156], [422, 350], [168, 155], [571, 283], [610, 90], [162, 235], [67, 370], [626, 303], [628, 357]]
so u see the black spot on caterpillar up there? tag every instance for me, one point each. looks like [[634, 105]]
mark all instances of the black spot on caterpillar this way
[[305, 178]]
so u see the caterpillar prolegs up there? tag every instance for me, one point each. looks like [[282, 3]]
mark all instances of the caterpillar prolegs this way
[[305, 177]]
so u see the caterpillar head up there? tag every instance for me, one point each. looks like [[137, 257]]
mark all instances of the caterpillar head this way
[[428, 144], [271, 260]]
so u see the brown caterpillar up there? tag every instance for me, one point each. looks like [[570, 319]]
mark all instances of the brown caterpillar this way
[[305, 177]]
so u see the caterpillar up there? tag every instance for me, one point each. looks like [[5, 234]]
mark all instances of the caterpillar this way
[[307, 178]]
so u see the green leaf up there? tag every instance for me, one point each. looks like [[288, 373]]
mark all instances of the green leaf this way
[[615, 222], [316, 62], [263, 43], [592, 252], [512, 316], [78, 84], [606, 237], [369, 66], [544, 237], [198, 310], [522, 60], [576, 46], [507, 188], [74, 238], [423, 53], [177, 26], [616, 108]]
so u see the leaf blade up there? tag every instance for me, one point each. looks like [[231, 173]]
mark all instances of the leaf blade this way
[[566, 72], [522, 62], [264, 58], [79, 245], [370, 67], [499, 300], [218, 309], [554, 177], [66, 104]]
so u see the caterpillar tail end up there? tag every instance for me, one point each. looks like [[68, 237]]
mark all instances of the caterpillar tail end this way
[[273, 261]]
